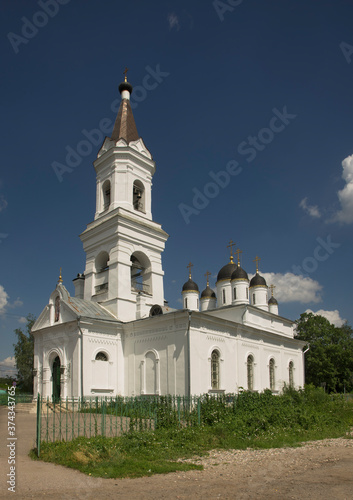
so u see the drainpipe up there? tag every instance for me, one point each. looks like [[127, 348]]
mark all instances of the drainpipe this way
[[188, 360], [306, 350], [81, 357]]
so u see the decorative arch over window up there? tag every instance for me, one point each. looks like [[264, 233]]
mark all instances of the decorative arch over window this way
[[141, 276], [101, 356], [102, 260], [151, 373], [138, 196], [272, 374], [291, 374], [102, 275], [215, 369], [250, 372], [106, 195]]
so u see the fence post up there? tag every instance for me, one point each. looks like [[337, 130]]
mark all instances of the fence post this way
[[103, 418], [198, 411], [39, 413]]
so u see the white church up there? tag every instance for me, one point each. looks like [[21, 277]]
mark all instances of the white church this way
[[118, 336]]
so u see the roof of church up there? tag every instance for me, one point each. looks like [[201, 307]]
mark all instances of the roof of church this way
[[89, 309], [239, 274], [208, 293], [125, 126], [190, 286], [258, 280], [226, 272], [273, 301]]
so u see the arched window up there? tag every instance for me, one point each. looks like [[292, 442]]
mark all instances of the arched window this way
[[102, 275], [215, 369], [141, 280], [247, 293], [272, 374], [250, 372], [291, 374], [138, 196], [106, 195], [101, 356], [253, 299], [186, 303], [224, 296], [151, 373], [234, 293]]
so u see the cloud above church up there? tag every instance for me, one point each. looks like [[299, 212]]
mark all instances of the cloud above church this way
[[4, 299], [8, 366], [332, 316], [312, 210], [294, 288], [345, 195]]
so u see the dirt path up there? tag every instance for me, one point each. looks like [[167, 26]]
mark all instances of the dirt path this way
[[322, 469]]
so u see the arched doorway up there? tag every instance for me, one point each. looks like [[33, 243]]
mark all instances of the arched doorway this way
[[56, 379]]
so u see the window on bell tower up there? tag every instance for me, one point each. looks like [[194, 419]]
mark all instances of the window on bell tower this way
[[106, 195], [139, 196]]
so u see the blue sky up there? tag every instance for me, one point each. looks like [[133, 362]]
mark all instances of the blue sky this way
[[260, 90]]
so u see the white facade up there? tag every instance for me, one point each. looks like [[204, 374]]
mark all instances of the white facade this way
[[117, 336]]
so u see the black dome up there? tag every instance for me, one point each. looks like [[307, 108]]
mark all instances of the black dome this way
[[125, 86], [226, 272], [190, 286], [257, 280], [239, 274], [208, 293], [273, 301]]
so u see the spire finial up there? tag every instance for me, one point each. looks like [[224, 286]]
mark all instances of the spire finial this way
[[231, 245], [238, 252], [125, 73], [272, 288], [60, 277], [257, 259], [189, 266], [207, 275]]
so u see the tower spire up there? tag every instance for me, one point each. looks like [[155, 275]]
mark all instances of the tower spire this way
[[125, 126]]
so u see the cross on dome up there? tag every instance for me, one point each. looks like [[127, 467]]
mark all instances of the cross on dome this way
[[230, 246], [190, 266], [257, 260]]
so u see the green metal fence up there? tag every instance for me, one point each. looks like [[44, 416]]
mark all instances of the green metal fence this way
[[67, 419]]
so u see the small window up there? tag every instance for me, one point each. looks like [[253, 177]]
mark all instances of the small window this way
[[138, 196], [291, 374], [186, 303], [234, 293], [101, 356], [215, 370], [224, 296], [250, 372], [253, 299], [272, 374], [106, 195], [247, 293]]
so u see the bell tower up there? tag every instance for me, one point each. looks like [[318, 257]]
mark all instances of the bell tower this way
[[123, 244]]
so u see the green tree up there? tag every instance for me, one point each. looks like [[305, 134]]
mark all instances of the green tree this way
[[24, 353], [329, 361]]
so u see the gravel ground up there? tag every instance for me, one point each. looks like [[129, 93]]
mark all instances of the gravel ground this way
[[319, 469]]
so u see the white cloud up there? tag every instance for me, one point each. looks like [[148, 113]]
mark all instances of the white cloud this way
[[312, 210], [333, 316], [3, 203], [293, 288], [173, 21], [8, 366], [345, 195], [22, 320], [4, 299]]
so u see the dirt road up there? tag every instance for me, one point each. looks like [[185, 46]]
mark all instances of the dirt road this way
[[323, 469]]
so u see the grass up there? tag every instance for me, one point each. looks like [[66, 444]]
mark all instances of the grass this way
[[256, 421]]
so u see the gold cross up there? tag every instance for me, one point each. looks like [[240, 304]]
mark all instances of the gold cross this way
[[272, 287], [231, 245], [237, 252], [207, 275], [257, 259], [60, 277], [125, 73], [189, 266]]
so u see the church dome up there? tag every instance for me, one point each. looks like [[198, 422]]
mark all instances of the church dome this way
[[208, 293], [125, 86], [273, 301], [226, 272], [190, 286], [239, 274], [257, 280]]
